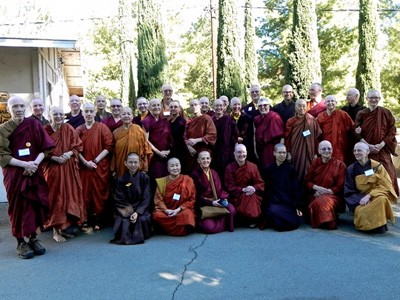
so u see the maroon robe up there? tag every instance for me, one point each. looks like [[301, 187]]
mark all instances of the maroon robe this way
[[161, 137], [316, 109], [268, 132], [111, 124], [205, 197], [238, 177], [27, 195], [227, 136]]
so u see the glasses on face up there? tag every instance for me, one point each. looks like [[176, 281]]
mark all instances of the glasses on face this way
[[326, 149], [287, 92], [174, 106], [255, 92], [114, 106], [374, 98], [167, 91], [263, 105]]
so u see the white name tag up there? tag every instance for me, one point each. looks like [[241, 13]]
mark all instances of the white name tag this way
[[176, 197], [66, 120], [166, 113], [24, 152], [369, 172], [306, 133], [250, 108]]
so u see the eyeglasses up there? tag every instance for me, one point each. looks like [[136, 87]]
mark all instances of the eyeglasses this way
[[263, 105], [374, 98], [174, 107], [326, 149], [113, 106], [168, 91], [255, 92], [287, 92]]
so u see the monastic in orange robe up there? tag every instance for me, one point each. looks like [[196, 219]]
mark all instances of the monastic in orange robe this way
[[377, 126], [238, 177], [330, 175], [95, 183], [65, 186], [182, 188], [130, 140], [337, 128]]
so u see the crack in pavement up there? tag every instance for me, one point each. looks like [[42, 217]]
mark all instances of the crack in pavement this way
[[185, 267]]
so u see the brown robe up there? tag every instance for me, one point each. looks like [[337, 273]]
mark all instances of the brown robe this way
[[65, 186], [301, 147], [377, 126]]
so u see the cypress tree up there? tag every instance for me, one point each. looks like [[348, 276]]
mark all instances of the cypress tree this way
[[304, 64], [250, 59], [132, 91], [367, 76], [229, 71], [151, 49]]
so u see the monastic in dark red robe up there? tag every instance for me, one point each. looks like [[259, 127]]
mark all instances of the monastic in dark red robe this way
[[268, 132], [179, 149], [111, 124], [27, 195], [238, 177], [161, 137], [316, 109], [205, 197]]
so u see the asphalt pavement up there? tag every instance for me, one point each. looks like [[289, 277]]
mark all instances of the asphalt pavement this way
[[245, 264]]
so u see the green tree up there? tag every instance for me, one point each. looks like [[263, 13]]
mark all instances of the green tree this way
[[197, 43], [304, 53], [367, 76], [250, 58], [151, 49], [132, 90], [229, 71]]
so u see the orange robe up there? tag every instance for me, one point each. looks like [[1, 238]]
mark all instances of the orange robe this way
[[184, 221], [330, 175], [238, 177], [200, 127], [301, 139], [65, 186], [130, 140], [337, 128], [377, 126], [95, 183]]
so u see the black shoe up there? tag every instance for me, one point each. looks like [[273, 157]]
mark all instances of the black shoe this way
[[36, 247], [24, 251]]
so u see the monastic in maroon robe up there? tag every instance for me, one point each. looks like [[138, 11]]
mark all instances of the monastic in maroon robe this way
[[338, 129], [95, 183], [111, 124], [205, 197], [268, 132], [227, 136], [377, 126], [330, 175], [182, 188], [161, 137], [301, 139], [238, 177], [27, 195], [65, 186]]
